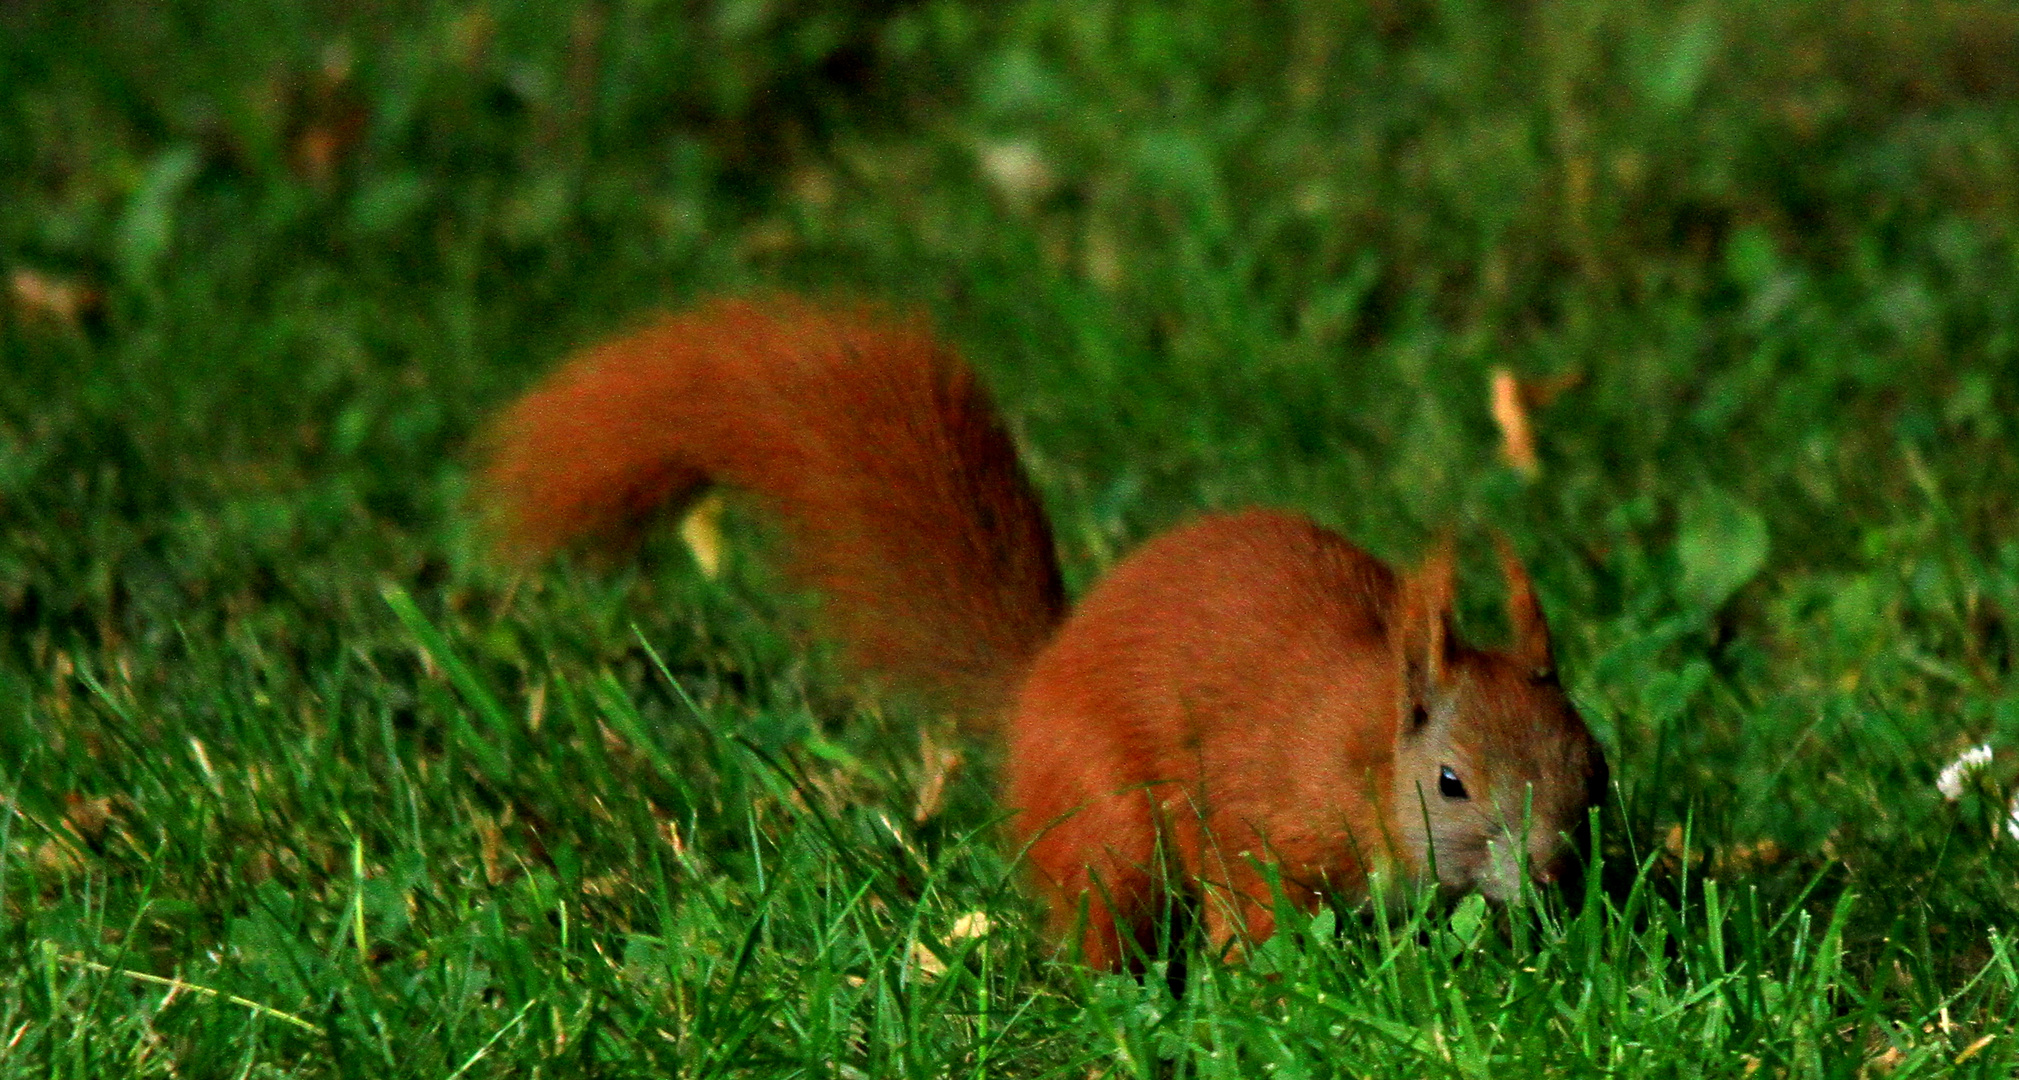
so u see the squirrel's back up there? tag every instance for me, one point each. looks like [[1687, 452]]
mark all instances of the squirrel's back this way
[[902, 498]]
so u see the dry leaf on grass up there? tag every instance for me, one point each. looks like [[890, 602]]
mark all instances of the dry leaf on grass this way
[[54, 298], [941, 764], [1517, 441], [701, 530]]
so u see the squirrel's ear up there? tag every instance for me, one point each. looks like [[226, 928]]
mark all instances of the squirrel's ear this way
[[1421, 630], [1524, 615]]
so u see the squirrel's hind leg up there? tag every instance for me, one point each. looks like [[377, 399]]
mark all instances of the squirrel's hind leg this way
[[1098, 872]]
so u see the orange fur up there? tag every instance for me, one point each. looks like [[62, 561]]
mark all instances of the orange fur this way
[[873, 443], [1249, 691]]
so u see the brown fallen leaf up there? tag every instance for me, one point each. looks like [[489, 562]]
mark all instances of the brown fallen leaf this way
[[1673, 844], [87, 817], [942, 763], [52, 298], [1517, 441], [1748, 858]]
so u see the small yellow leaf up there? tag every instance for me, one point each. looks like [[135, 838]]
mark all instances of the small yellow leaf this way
[[928, 965], [974, 924], [702, 531], [1971, 1050]]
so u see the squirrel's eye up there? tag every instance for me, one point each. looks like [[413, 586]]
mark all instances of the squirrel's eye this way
[[1449, 785]]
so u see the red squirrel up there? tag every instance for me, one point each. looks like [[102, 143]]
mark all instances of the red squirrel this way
[[1246, 691]]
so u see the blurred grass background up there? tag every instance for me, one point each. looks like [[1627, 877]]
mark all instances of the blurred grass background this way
[[268, 267]]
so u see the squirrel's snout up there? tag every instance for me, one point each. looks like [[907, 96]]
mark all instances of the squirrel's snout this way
[[1509, 860]]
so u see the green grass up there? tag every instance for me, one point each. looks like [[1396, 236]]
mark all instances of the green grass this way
[[274, 730]]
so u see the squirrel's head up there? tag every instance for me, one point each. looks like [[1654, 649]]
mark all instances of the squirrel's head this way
[[1494, 770]]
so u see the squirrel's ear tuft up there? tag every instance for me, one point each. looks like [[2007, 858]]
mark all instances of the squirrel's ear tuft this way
[[1524, 614], [1420, 627]]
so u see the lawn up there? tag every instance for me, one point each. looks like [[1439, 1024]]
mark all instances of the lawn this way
[[296, 780]]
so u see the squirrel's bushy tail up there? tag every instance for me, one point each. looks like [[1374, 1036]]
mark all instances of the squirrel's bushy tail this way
[[902, 498]]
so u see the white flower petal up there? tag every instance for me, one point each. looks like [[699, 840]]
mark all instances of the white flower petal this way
[[1957, 773]]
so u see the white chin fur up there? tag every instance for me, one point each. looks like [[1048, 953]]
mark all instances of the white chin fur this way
[[1501, 879]]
